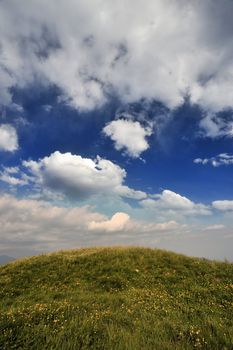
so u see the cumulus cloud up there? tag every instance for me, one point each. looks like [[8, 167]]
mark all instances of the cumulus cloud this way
[[39, 224], [90, 48], [169, 200], [223, 205], [128, 135], [23, 216], [80, 178], [8, 138], [117, 223], [220, 159], [29, 225], [66, 176]]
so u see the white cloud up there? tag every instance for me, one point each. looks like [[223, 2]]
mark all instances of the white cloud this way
[[163, 226], [12, 180], [128, 135], [11, 170], [167, 49], [123, 221], [32, 223], [80, 178], [29, 225], [169, 200], [19, 215], [8, 175], [128, 192], [223, 205], [220, 159], [66, 176], [8, 138], [213, 126], [214, 227], [117, 223], [201, 161]]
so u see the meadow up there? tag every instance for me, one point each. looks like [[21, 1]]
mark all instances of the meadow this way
[[116, 299]]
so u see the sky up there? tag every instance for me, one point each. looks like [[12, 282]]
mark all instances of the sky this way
[[116, 125]]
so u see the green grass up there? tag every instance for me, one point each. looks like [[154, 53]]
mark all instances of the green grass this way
[[116, 299]]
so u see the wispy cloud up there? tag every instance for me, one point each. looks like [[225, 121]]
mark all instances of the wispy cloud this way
[[220, 159], [214, 126], [214, 227]]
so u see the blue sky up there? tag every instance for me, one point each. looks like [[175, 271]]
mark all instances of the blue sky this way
[[116, 131]]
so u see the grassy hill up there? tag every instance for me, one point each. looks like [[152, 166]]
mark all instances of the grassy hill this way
[[116, 298]]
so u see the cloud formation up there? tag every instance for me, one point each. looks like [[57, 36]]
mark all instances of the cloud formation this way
[[66, 176], [214, 227], [8, 138], [117, 223], [32, 224], [213, 126], [128, 135], [12, 176], [220, 159], [169, 200], [165, 52], [79, 178], [29, 225], [223, 205]]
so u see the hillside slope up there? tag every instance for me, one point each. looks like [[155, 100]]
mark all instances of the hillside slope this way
[[116, 298]]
